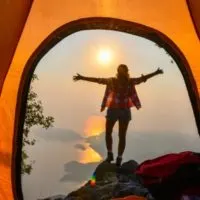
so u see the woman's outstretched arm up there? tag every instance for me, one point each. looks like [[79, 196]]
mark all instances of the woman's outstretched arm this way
[[144, 78], [91, 79]]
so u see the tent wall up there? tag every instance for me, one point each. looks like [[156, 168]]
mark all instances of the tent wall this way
[[194, 8], [170, 17], [12, 20]]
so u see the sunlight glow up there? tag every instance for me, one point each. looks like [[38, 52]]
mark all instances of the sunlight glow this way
[[89, 156], [105, 56], [94, 126]]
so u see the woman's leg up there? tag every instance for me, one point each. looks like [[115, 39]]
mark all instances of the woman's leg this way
[[111, 118], [123, 125], [109, 128]]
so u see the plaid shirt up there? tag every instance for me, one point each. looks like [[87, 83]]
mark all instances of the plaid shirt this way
[[122, 97]]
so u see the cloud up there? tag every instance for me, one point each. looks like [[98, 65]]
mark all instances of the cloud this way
[[57, 134]]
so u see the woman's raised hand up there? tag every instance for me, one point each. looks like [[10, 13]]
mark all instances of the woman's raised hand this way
[[159, 71], [77, 77]]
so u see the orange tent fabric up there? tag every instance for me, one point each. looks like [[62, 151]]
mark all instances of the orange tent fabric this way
[[174, 24], [131, 197]]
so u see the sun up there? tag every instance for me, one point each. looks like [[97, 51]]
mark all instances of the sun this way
[[104, 56]]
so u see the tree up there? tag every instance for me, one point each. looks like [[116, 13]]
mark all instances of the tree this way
[[34, 117]]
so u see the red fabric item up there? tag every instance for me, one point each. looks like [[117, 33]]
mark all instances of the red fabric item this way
[[131, 197], [155, 170], [192, 191]]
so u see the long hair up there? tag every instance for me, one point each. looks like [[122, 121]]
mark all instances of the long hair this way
[[122, 74]]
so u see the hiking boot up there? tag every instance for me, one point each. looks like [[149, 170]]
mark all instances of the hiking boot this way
[[109, 157], [118, 161]]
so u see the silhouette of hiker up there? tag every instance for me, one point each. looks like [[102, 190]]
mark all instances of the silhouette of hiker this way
[[120, 95]]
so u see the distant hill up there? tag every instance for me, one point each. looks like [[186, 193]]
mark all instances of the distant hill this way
[[78, 172], [142, 146], [57, 134]]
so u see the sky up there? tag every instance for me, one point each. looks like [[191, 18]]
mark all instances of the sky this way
[[164, 124]]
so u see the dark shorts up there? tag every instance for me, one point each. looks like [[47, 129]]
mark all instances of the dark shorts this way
[[122, 114]]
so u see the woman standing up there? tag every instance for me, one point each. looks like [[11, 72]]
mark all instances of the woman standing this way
[[120, 95]]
